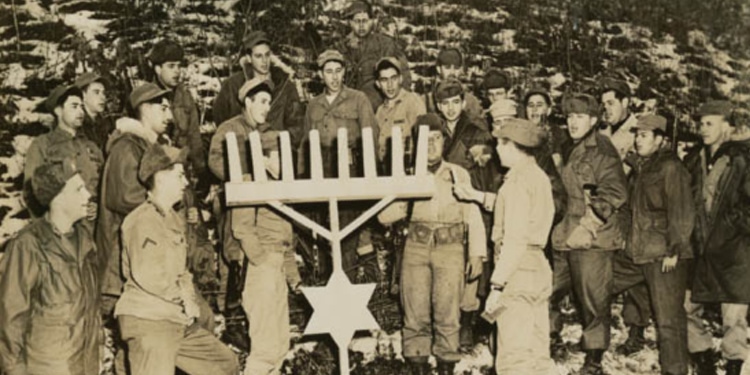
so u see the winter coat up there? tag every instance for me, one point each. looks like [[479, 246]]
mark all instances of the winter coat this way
[[286, 109], [121, 192], [49, 310], [470, 139], [721, 237], [594, 165], [97, 130], [662, 209]]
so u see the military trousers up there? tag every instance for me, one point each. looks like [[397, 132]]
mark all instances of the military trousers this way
[[523, 320], [589, 275], [265, 301], [157, 347], [734, 326], [432, 278]]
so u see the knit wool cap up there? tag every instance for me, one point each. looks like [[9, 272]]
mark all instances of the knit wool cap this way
[[49, 179]]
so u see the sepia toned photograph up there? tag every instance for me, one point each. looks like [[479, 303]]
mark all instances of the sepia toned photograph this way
[[374, 187]]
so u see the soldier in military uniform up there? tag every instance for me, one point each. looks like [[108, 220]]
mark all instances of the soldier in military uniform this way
[[522, 277], [450, 66], [434, 262], [66, 141]]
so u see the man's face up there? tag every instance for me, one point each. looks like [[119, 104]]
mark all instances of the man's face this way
[[451, 107], [73, 198], [94, 98], [449, 71], [258, 106], [70, 112], [260, 59], [156, 116], [647, 142], [615, 110], [361, 24], [537, 109], [172, 181], [389, 82], [713, 128], [497, 94], [333, 76], [169, 73], [435, 143], [579, 124]]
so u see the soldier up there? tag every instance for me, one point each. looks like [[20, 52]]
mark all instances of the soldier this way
[[49, 313], [592, 228], [286, 111], [434, 266], [340, 107], [364, 47], [496, 86], [537, 104], [450, 66], [265, 237], [166, 58], [96, 126], [66, 141], [720, 172], [400, 108], [658, 247], [522, 278], [468, 145], [618, 126], [158, 312]]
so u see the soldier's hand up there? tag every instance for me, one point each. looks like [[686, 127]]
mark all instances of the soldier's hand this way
[[192, 215], [668, 263], [192, 327], [492, 306], [473, 268], [91, 211], [580, 238]]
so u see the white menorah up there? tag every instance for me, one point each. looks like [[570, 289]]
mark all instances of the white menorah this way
[[340, 307]]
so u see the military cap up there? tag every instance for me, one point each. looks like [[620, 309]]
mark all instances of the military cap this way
[[166, 50], [386, 63], [146, 92], [496, 79], [87, 78], [520, 131], [537, 89], [651, 122], [616, 85], [330, 55], [448, 89], [450, 57], [159, 157], [580, 103], [504, 108], [715, 107], [432, 120], [58, 94], [49, 179], [357, 7], [254, 38], [254, 86]]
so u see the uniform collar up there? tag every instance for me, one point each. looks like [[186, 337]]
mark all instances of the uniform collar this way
[[398, 99]]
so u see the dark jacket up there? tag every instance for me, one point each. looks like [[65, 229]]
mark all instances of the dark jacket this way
[[49, 313], [286, 109], [662, 209], [594, 164], [721, 237], [97, 130], [121, 192], [471, 133]]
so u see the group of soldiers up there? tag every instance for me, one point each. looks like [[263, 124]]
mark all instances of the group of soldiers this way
[[525, 213]]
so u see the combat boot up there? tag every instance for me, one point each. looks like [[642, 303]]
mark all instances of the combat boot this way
[[445, 368], [635, 342], [419, 366], [734, 367], [704, 362], [593, 363], [466, 334]]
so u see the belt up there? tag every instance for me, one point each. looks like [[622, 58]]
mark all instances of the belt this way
[[437, 234]]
